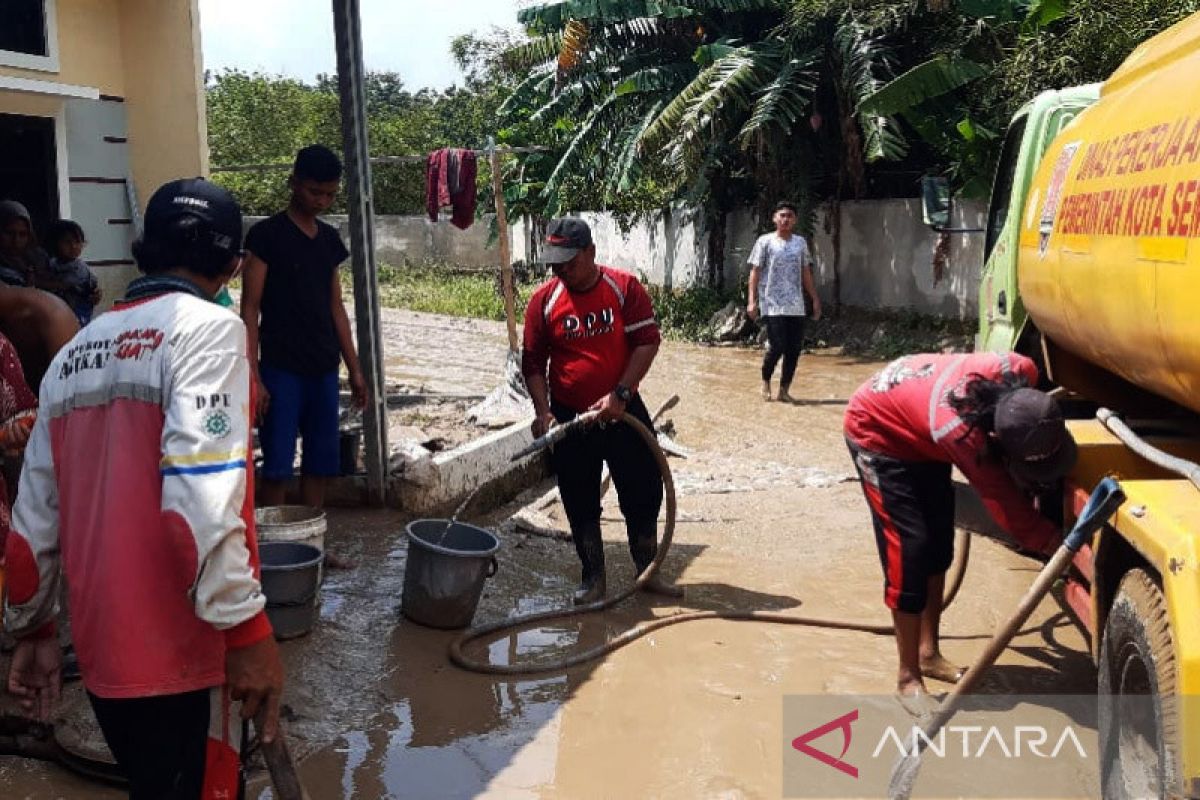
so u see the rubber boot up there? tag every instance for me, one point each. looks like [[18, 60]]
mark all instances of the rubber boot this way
[[590, 547], [643, 546]]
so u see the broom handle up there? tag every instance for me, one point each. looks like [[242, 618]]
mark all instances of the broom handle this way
[[1000, 641], [280, 765], [1103, 503]]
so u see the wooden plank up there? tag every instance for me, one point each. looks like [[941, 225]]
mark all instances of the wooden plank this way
[[506, 273]]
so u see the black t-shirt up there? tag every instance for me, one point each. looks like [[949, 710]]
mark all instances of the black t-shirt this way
[[295, 331]]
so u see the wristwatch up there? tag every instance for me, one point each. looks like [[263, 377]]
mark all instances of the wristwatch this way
[[623, 393]]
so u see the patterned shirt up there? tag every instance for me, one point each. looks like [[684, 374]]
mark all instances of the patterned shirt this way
[[17, 402], [780, 262]]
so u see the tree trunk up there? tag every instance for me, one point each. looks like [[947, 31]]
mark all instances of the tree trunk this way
[[717, 219], [835, 230], [716, 250]]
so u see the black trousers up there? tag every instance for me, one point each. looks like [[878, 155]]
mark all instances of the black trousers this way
[[785, 338], [578, 461], [912, 509], [160, 742]]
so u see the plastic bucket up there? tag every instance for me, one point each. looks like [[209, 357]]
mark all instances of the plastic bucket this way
[[291, 574], [302, 524], [445, 571], [290, 622], [349, 441]]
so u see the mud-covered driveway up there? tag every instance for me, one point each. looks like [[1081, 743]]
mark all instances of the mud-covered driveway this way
[[768, 518]]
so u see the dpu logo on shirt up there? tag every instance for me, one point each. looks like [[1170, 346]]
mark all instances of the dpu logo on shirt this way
[[591, 324]]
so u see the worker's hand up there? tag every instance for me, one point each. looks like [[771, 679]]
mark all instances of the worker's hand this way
[[254, 675], [35, 675], [262, 399], [611, 407], [542, 424], [14, 433], [358, 389], [752, 309]]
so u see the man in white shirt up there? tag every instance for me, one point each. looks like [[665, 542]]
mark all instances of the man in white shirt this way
[[780, 273]]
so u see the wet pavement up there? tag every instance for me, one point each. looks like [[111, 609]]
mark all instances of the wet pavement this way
[[767, 519]]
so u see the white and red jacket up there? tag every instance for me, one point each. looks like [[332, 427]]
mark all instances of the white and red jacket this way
[[904, 412], [135, 488]]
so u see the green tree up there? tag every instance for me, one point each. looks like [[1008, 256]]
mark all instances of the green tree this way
[[729, 102], [718, 102], [259, 119]]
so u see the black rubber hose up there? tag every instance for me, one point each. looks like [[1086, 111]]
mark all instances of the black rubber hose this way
[[461, 659]]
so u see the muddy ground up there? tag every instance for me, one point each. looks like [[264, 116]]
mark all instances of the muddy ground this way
[[768, 518]]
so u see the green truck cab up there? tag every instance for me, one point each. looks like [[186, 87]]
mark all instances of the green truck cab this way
[[1001, 314]]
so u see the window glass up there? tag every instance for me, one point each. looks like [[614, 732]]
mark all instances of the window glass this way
[[23, 26]]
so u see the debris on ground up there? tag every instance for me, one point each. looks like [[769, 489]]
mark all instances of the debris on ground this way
[[508, 403], [413, 463], [731, 323], [537, 523], [875, 333]]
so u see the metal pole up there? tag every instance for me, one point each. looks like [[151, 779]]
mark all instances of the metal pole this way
[[351, 90]]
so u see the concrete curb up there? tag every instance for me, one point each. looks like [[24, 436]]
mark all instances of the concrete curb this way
[[484, 462]]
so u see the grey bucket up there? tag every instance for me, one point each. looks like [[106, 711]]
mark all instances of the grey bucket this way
[[291, 573], [444, 575], [349, 443]]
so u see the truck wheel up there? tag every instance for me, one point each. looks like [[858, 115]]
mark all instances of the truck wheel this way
[[1138, 714]]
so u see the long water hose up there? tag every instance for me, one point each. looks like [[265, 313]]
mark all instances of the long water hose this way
[[461, 659]]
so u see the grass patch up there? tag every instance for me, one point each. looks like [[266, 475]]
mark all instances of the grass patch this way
[[446, 289], [684, 313], [442, 288]]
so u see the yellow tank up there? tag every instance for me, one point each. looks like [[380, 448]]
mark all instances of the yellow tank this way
[[1109, 265]]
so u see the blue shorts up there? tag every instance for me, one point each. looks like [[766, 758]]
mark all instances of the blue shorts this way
[[304, 405]]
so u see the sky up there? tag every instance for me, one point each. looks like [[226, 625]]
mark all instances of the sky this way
[[295, 37]]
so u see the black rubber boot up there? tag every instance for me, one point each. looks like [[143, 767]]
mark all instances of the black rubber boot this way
[[643, 546], [590, 547]]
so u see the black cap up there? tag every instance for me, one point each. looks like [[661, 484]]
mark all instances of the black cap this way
[[1033, 434], [565, 237], [197, 198]]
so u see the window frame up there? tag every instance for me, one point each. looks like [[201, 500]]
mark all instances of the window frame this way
[[46, 63]]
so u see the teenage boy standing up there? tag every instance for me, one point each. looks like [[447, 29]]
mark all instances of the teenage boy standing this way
[[780, 273], [297, 328]]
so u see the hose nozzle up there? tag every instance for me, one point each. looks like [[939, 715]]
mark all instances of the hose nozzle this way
[[556, 434]]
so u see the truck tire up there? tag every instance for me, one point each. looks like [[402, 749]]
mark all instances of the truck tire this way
[[1137, 714]]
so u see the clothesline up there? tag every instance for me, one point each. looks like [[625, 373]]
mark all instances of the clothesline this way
[[414, 159]]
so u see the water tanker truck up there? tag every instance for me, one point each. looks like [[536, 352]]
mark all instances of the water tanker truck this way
[[1092, 267]]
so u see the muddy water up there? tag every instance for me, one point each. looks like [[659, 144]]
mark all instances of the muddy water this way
[[443, 354], [766, 520]]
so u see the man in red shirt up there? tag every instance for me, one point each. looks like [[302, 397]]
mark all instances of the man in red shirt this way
[[595, 328], [907, 427]]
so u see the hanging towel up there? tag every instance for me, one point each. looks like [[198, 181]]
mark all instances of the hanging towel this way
[[450, 181]]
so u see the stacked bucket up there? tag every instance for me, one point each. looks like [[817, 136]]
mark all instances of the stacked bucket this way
[[291, 548]]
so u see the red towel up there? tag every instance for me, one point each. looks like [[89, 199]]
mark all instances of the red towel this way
[[450, 181]]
